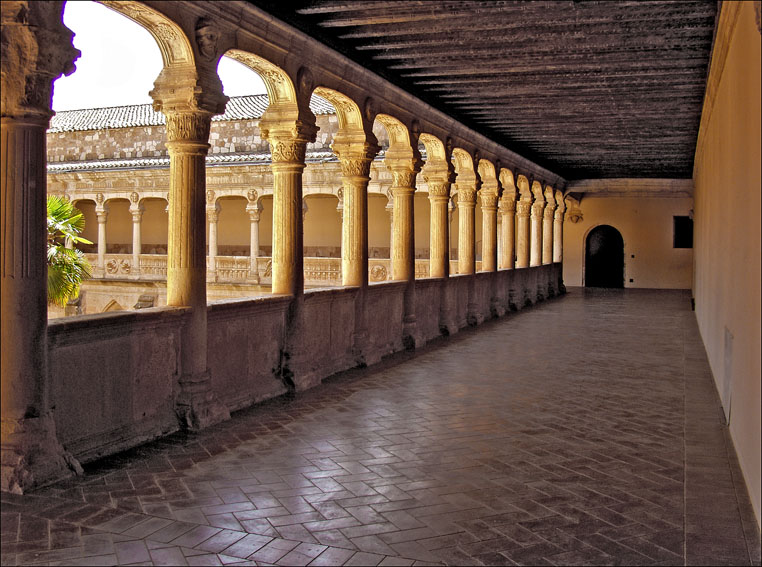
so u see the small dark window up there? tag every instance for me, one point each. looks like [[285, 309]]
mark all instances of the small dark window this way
[[683, 232]]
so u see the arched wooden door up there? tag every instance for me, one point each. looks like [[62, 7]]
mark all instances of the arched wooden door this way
[[604, 258]]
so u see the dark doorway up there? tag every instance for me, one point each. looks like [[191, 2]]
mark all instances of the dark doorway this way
[[604, 258]]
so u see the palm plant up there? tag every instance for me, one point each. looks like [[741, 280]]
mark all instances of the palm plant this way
[[67, 267]]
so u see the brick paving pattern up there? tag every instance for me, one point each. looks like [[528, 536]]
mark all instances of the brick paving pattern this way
[[585, 430]]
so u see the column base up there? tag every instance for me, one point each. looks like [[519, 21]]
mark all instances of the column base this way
[[32, 456], [196, 406]]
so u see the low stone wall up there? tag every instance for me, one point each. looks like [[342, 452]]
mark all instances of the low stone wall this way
[[114, 376]]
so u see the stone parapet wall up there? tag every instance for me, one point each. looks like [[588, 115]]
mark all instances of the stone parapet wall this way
[[126, 393]]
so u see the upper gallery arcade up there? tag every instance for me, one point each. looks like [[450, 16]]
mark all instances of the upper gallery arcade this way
[[434, 227]]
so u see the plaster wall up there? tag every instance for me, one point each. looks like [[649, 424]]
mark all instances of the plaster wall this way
[[727, 233], [322, 227], [646, 225], [118, 227]]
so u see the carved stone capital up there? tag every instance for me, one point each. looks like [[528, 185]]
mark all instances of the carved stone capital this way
[[402, 178], [355, 167], [137, 213], [36, 49], [558, 215], [523, 208], [288, 140], [188, 126], [489, 200], [439, 190], [253, 214], [550, 211], [538, 208], [507, 206], [466, 195], [213, 214]]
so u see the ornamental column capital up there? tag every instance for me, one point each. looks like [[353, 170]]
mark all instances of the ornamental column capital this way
[[489, 200], [523, 208], [507, 206], [288, 138], [36, 49], [213, 212]]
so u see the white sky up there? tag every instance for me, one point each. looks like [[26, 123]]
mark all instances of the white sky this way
[[120, 61]]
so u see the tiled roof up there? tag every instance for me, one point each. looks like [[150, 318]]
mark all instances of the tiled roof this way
[[238, 108], [163, 162]]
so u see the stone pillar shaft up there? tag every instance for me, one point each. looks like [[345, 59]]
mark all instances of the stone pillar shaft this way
[[508, 215], [439, 237], [547, 234], [254, 242], [522, 234], [137, 216], [558, 235], [101, 214], [403, 253], [489, 232], [466, 229], [24, 292], [354, 226], [212, 215], [535, 258]]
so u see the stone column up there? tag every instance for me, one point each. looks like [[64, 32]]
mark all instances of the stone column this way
[[101, 214], [36, 49], [558, 229], [288, 145], [522, 232], [547, 227], [212, 216], [508, 217], [355, 176], [254, 209], [390, 211], [466, 230], [136, 209], [187, 137], [439, 235], [535, 256], [489, 231]]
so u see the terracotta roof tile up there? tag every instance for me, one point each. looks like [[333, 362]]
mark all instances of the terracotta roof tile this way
[[238, 108]]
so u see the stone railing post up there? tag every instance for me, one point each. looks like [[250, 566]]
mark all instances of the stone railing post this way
[[136, 210], [36, 49], [101, 214], [508, 217], [212, 216], [547, 227]]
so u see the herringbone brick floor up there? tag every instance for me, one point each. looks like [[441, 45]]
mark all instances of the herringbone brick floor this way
[[583, 431]]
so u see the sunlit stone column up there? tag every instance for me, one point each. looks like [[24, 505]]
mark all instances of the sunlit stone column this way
[[212, 216], [558, 229], [254, 209], [522, 232], [101, 214], [547, 226], [489, 230], [466, 230], [187, 136], [136, 209], [390, 211], [439, 237], [355, 176], [508, 217], [36, 49], [403, 243], [535, 255], [288, 146]]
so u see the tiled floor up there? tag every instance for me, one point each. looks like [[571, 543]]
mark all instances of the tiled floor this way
[[585, 430]]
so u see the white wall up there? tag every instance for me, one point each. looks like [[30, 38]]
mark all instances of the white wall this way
[[645, 224]]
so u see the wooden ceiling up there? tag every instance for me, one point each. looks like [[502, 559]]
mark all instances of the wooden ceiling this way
[[585, 89]]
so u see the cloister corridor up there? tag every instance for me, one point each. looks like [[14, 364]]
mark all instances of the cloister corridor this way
[[585, 430]]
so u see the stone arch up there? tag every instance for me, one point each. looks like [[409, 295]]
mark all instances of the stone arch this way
[[401, 144], [280, 88], [436, 151], [347, 111], [175, 46], [537, 191], [87, 206], [112, 305]]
